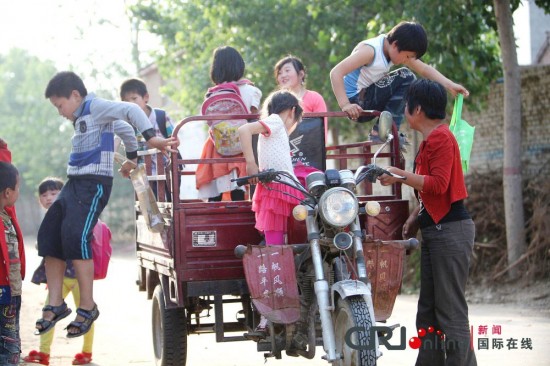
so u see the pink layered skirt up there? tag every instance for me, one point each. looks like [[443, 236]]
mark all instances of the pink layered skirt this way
[[273, 207]]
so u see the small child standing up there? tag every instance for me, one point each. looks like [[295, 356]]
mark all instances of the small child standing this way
[[48, 190], [12, 266], [271, 202], [135, 91], [213, 180]]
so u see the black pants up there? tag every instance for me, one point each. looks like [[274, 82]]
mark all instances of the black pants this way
[[444, 265], [387, 94]]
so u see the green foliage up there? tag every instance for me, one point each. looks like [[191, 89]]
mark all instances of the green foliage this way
[[463, 44], [40, 140], [36, 134]]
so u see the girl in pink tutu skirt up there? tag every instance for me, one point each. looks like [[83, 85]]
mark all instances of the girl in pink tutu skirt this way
[[270, 203]]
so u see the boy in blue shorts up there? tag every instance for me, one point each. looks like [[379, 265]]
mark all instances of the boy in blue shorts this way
[[66, 230], [362, 80]]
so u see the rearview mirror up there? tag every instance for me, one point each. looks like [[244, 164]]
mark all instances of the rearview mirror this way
[[385, 123]]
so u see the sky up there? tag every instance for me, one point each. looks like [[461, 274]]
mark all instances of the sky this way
[[77, 32]]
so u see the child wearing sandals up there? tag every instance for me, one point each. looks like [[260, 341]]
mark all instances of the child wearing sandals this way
[[272, 202], [48, 190], [67, 228], [12, 261]]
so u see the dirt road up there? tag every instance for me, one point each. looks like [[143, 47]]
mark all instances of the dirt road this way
[[123, 330]]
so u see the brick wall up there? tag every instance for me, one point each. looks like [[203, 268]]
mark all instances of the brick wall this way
[[535, 104]]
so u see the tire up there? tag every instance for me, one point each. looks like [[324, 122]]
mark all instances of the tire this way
[[353, 312], [169, 332]]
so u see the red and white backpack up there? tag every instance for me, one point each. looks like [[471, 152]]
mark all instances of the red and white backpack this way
[[225, 98]]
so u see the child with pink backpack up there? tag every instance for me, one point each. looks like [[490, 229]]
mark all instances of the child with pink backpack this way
[[231, 95], [48, 190]]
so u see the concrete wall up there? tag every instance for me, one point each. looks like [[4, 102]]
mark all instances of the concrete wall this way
[[535, 103]]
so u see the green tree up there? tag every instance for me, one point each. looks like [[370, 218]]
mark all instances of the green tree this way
[[512, 175], [40, 140], [463, 42], [36, 134]]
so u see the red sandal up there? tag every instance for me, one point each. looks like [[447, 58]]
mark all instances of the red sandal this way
[[37, 357], [83, 358]]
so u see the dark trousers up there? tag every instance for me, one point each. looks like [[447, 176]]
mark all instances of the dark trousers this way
[[387, 94], [10, 341], [444, 265]]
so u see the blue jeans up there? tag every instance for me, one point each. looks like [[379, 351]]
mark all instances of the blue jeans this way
[[10, 342], [387, 94], [444, 266]]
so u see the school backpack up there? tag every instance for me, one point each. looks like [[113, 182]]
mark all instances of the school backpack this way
[[101, 249], [225, 98], [160, 115]]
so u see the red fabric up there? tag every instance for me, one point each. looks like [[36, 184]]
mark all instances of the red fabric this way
[[439, 162], [5, 155], [101, 249], [206, 173]]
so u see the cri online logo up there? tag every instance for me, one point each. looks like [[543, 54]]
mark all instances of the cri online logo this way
[[436, 340], [416, 342]]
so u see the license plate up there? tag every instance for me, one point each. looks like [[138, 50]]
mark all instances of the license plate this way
[[204, 239]]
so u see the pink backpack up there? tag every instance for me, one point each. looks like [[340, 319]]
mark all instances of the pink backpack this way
[[101, 249], [225, 98]]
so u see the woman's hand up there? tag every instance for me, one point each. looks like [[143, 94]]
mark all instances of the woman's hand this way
[[387, 180], [410, 227]]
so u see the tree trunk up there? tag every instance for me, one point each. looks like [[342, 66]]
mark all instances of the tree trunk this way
[[513, 197]]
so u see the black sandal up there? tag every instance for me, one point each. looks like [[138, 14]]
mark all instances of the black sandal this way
[[60, 312], [84, 326]]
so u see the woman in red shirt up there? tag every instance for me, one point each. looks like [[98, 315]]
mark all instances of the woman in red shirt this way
[[446, 227]]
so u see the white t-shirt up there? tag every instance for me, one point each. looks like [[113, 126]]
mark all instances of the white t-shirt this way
[[273, 146]]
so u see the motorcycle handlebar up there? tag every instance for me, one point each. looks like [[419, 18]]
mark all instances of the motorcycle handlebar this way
[[265, 176], [408, 244]]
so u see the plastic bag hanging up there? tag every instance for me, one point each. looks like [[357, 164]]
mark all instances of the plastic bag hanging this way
[[463, 132]]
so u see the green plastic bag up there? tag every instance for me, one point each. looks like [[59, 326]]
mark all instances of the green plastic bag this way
[[463, 132]]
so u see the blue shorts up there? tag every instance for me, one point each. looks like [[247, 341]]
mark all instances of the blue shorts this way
[[66, 231]]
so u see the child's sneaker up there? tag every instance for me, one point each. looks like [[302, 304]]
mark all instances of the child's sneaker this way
[[37, 357]]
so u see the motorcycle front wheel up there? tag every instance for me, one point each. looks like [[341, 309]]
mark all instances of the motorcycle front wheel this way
[[352, 328]]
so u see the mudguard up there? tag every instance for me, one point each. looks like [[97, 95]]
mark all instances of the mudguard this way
[[271, 277], [349, 288]]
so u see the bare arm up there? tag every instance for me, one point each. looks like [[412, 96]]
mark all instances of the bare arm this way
[[429, 72], [245, 136], [363, 55], [414, 180]]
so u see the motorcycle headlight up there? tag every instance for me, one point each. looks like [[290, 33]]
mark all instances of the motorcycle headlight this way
[[338, 207]]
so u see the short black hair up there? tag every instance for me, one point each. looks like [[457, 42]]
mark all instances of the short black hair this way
[[227, 65], [295, 61], [8, 176], [50, 184], [281, 100], [63, 84], [133, 86], [429, 95], [410, 36]]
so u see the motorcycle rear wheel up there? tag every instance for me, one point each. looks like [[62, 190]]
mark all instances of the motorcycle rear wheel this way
[[352, 314]]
